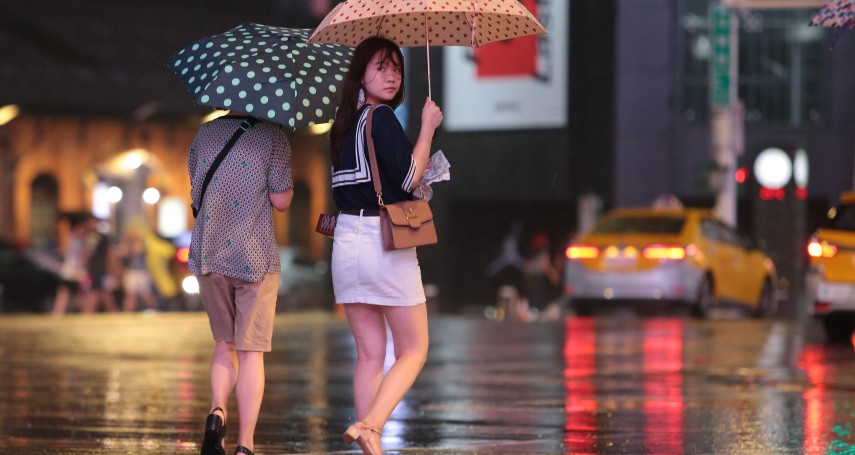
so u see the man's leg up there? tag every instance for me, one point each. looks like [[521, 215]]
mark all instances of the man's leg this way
[[249, 392]]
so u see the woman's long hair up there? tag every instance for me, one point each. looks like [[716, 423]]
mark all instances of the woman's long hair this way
[[346, 113]]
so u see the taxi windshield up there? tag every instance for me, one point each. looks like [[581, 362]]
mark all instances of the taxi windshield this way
[[640, 225], [844, 220]]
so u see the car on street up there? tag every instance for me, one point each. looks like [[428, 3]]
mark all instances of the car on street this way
[[304, 283], [830, 279], [654, 258], [25, 284]]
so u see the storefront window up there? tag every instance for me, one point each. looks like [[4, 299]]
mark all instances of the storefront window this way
[[43, 212]]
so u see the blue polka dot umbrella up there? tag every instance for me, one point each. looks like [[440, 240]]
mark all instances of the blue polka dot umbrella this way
[[267, 72]]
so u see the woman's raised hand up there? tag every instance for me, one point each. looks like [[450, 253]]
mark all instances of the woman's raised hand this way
[[431, 114]]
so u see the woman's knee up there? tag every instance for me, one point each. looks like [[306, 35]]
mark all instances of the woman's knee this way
[[417, 353], [372, 354]]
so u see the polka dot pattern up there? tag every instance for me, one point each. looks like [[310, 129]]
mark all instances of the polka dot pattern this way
[[471, 23], [259, 164], [268, 72], [836, 14]]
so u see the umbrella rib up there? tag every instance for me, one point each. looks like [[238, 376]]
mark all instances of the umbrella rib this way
[[380, 24], [474, 28]]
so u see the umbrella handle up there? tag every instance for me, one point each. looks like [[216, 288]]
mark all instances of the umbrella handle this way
[[427, 53]]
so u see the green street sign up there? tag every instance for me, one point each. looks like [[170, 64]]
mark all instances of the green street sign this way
[[721, 20]]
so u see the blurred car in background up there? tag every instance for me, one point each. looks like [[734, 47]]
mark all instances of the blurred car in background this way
[[26, 285], [304, 283], [647, 258], [830, 280]]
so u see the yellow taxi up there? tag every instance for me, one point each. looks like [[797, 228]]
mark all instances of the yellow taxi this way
[[650, 257], [830, 278]]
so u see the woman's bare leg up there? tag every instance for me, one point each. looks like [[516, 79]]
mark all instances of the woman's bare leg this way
[[409, 326], [60, 303], [369, 332]]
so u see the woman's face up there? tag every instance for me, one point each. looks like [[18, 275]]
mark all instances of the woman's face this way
[[382, 78]]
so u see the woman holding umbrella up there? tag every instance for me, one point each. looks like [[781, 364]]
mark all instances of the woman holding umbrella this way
[[375, 286]]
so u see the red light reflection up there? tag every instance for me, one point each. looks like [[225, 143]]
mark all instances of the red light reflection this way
[[580, 350], [662, 349], [816, 408], [661, 356]]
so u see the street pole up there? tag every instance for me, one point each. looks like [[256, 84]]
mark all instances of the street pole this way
[[725, 119]]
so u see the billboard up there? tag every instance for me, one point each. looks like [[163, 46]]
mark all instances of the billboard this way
[[514, 84]]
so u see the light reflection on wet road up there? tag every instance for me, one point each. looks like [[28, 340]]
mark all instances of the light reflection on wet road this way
[[139, 384]]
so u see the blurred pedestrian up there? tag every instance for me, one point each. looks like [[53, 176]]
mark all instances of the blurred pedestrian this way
[[233, 252], [507, 275], [73, 270], [136, 279], [159, 256], [542, 277], [375, 286], [101, 267]]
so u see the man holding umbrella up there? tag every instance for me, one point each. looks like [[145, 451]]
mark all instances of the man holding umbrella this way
[[240, 170], [234, 253]]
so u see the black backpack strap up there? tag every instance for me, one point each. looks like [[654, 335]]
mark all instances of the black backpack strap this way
[[244, 125]]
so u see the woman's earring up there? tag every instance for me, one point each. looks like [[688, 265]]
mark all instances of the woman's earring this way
[[360, 100]]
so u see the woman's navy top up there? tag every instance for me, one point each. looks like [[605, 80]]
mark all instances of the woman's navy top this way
[[351, 178]]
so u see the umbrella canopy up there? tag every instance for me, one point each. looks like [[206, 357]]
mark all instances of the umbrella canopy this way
[[836, 14], [471, 23], [267, 72], [409, 23]]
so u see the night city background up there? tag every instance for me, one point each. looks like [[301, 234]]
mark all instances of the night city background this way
[[619, 106]]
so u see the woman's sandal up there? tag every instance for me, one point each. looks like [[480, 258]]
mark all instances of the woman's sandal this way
[[242, 449], [359, 433], [215, 431]]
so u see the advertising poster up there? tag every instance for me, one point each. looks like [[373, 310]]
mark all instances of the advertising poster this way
[[515, 84]]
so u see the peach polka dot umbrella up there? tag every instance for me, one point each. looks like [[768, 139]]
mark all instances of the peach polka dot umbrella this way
[[410, 23], [836, 14]]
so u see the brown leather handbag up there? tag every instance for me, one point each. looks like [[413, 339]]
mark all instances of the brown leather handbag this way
[[404, 224]]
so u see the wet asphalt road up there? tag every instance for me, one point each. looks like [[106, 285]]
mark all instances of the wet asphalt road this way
[[138, 383]]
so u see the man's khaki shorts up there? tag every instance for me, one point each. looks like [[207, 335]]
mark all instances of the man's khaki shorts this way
[[240, 312]]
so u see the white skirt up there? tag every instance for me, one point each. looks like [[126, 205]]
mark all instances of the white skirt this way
[[362, 272]]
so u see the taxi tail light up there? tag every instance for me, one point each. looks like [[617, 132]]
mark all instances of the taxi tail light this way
[[821, 249], [664, 252], [581, 251]]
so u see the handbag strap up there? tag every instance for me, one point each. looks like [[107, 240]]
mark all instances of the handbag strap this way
[[244, 125], [372, 158]]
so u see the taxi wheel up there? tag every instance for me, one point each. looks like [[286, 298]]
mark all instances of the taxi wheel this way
[[705, 299], [838, 327], [768, 305]]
